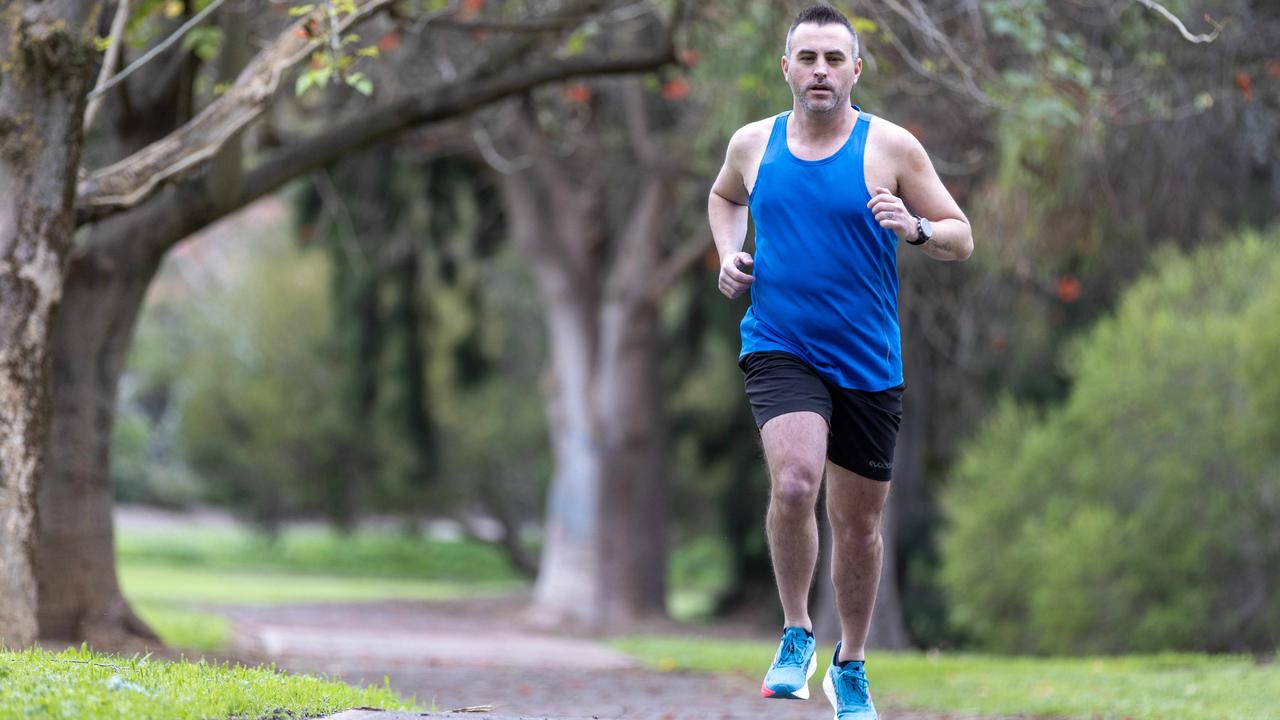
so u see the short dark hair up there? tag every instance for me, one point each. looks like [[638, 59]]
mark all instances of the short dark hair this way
[[821, 15]]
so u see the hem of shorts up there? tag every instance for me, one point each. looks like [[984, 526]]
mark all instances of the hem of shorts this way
[[791, 407], [877, 475]]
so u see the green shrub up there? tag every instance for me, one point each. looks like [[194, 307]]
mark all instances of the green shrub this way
[[1140, 514]]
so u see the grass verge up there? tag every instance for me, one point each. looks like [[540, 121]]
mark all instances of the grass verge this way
[[165, 575], [1147, 687], [79, 684], [365, 554]]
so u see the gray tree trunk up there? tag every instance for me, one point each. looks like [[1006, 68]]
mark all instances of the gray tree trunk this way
[[45, 50], [106, 283], [76, 564], [604, 549]]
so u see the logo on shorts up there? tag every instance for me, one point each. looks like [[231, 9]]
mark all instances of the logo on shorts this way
[[880, 465]]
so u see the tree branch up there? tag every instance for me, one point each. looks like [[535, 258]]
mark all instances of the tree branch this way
[[295, 160], [160, 47], [133, 179], [1217, 27], [118, 25]]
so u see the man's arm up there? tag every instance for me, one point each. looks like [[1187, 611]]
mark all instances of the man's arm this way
[[727, 213], [920, 189]]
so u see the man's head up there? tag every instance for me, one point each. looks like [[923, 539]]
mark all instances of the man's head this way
[[821, 63]]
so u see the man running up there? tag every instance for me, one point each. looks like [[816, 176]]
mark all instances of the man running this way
[[832, 190]]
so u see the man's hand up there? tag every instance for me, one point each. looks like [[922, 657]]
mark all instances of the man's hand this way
[[733, 280], [891, 213]]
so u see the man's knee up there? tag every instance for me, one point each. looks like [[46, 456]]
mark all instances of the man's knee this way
[[796, 487], [857, 532]]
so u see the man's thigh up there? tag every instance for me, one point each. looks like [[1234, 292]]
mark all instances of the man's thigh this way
[[795, 442]]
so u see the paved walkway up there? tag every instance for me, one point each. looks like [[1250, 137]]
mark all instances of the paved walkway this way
[[454, 655]]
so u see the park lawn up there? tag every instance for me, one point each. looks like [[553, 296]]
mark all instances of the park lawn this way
[[1140, 687], [79, 684], [166, 576], [365, 554]]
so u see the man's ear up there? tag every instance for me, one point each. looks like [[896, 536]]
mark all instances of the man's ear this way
[[784, 68]]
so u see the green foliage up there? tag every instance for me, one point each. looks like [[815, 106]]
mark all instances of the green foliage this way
[[258, 414], [205, 42], [78, 684], [1140, 514], [1150, 687]]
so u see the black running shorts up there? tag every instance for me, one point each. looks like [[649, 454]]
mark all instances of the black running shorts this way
[[862, 425]]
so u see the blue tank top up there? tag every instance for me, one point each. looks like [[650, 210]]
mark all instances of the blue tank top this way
[[826, 273]]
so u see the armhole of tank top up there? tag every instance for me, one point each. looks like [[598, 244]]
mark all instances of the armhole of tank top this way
[[779, 123], [862, 130]]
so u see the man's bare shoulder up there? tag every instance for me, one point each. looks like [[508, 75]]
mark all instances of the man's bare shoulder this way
[[892, 135], [751, 138]]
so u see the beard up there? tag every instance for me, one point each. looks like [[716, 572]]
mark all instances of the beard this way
[[820, 105]]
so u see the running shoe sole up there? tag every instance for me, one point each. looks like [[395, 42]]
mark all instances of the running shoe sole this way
[[800, 694]]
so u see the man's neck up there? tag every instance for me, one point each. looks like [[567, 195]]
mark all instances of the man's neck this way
[[820, 125]]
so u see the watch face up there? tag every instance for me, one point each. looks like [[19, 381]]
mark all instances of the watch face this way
[[926, 228]]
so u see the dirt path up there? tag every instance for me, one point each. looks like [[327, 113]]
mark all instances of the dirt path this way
[[481, 652]]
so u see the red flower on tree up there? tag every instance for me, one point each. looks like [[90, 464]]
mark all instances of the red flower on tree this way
[[578, 93], [677, 88], [1068, 289]]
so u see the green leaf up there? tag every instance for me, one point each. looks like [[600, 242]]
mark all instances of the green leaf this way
[[371, 51], [305, 81], [301, 9]]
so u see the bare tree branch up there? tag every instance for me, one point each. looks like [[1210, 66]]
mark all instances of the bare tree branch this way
[[134, 178], [678, 261], [116, 38], [379, 123], [153, 52], [1217, 27]]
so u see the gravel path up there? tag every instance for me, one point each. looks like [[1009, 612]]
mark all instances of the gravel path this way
[[471, 653]]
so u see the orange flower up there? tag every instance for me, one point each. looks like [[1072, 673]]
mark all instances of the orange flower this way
[[389, 42], [675, 89], [1068, 289], [578, 93], [1245, 84]]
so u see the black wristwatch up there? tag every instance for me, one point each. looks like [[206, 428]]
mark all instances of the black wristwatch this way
[[924, 232]]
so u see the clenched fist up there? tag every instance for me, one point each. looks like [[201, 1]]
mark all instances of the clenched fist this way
[[734, 274]]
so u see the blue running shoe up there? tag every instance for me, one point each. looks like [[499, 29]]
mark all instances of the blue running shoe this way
[[792, 667], [848, 690]]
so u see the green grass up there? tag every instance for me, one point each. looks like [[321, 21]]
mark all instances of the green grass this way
[[1152, 687], [180, 627], [364, 554], [79, 684], [165, 575]]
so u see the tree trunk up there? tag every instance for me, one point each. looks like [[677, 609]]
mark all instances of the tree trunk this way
[[45, 51], [76, 567], [604, 550], [629, 418]]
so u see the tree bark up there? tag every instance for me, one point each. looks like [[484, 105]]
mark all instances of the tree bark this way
[[604, 551], [45, 52], [76, 568]]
